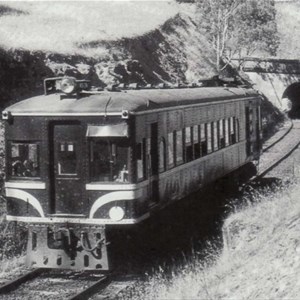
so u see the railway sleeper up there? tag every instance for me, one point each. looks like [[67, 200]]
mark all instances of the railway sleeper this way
[[62, 247]]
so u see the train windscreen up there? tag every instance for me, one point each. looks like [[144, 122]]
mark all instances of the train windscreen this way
[[24, 159], [109, 160]]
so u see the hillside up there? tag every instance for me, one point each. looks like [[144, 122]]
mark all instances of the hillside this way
[[64, 27], [111, 41], [106, 42]]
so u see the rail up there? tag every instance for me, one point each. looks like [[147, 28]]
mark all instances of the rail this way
[[15, 283], [96, 287]]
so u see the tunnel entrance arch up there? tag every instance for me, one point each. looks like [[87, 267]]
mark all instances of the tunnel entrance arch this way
[[291, 97]]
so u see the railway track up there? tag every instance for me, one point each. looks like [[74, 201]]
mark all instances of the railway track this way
[[64, 285], [278, 136], [280, 149], [53, 284]]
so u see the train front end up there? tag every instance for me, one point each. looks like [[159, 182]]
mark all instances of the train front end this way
[[69, 175]]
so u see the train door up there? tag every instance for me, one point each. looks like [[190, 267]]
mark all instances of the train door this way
[[67, 169], [154, 162]]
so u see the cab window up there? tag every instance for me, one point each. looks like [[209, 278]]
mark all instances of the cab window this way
[[24, 159], [109, 160]]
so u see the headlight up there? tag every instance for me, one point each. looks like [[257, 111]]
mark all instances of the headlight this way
[[116, 213], [68, 85]]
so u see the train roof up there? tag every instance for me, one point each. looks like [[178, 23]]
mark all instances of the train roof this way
[[130, 100]]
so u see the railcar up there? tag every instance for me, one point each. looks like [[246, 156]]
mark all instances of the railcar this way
[[80, 160]]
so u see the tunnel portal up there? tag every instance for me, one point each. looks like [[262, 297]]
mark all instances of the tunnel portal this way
[[292, 93]]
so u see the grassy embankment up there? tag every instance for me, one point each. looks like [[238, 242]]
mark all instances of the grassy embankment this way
[[260, 259]]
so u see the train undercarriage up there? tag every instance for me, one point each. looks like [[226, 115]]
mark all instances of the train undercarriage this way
[[67, 246]]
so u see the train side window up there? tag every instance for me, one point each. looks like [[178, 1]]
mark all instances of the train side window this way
[[251, 120], [222, 133], [162, 155], [227, 133], [196, 141], [179, 147], [140, 160], [237, 130], [148, 155], [24, 160], [258, 129], [203, 139], [232, 131], [258, 113], [171, 150], [209, 137], [215, 136], [189, 144]]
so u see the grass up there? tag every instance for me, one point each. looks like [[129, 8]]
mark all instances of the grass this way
[[260, 259], [11, 268]]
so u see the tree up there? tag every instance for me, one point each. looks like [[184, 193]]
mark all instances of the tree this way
[[238, 27], [256, 28]]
